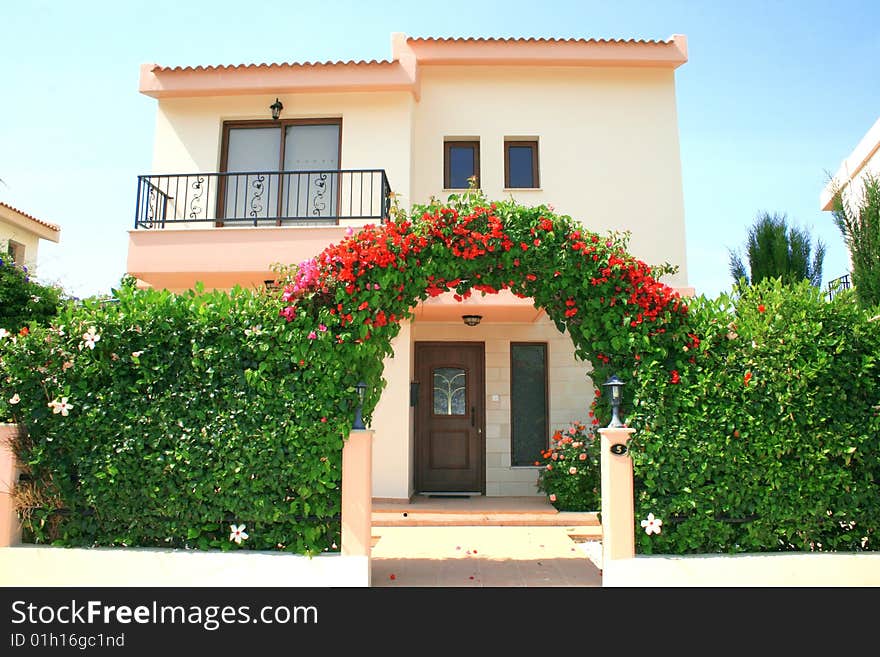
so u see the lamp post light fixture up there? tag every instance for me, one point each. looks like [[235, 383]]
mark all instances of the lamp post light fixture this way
[[361, 388], [614, 385], [276, 108], [472, 320]]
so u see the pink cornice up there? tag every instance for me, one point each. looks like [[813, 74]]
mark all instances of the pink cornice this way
[[402, 73]]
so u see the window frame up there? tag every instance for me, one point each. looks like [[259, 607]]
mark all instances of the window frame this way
[[546, 445], [520, 143], [281, 124], [16, 251], [447, 160]]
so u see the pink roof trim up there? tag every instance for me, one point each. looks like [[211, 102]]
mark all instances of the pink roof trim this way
[[32, 218], [401, 73]]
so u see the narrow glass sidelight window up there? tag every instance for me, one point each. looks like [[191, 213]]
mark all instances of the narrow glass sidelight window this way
[[529, 409], [521, 165], [461, 160]]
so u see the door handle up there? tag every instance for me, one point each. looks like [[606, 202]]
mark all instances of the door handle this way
[[473, 416]]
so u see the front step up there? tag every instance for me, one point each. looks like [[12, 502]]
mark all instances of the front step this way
[[585, 523]]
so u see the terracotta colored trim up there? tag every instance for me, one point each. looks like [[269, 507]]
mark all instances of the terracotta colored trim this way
[[402, 73], [274, 80], [39, 227], [671, 53]]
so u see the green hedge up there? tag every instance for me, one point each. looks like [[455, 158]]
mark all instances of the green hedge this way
[[192, 412], [770, 439]]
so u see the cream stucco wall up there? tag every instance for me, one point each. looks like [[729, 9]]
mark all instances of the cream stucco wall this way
[[607, 140], [31, 242]]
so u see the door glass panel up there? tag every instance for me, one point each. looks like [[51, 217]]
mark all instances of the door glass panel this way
[[250, 192], [450, 385], [314, 150]]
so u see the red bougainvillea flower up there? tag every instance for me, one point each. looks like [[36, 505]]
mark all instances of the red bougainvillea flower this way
[[761, 308], [747, 378], [675, 378]]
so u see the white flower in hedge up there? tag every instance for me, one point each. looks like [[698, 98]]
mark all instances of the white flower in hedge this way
[[90, 338], [14, 399], [4, 334], [652, 524], [237, 533], [62, 406]]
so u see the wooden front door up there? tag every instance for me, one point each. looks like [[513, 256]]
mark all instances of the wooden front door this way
[[449, 417]]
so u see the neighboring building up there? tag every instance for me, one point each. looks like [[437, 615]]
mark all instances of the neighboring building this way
[[20, 235], [587, 126], [849, 180], [855, 168]]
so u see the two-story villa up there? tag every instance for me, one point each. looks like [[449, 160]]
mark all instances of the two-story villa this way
[[261, 164]]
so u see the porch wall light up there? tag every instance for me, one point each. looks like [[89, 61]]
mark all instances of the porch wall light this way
[[358, 425], [276, 108], [614, 385], [472, 320]]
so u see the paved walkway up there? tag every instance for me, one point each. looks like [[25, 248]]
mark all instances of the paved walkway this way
[[482, 556]]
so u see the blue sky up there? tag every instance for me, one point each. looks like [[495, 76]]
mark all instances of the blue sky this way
[[774, 96]]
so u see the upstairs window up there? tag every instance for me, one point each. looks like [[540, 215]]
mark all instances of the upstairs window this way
[[521, 164], [461, 160]]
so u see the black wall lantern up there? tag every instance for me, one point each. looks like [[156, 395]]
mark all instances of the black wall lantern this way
[[361, 388], [276, 108], [472, 320], [614, 385]]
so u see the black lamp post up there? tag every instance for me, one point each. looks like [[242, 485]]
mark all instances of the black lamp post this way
[[361, 388], [614, 385], [276, 108]]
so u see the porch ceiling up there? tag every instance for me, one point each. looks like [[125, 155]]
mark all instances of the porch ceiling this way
[[503, 307]]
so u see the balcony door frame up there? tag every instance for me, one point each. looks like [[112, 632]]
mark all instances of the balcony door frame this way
[[281, 124]]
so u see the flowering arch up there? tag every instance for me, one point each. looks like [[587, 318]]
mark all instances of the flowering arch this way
[[354, 294]]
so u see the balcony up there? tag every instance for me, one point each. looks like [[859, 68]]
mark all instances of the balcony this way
[[837, 285], [262, 198], [226, 229]]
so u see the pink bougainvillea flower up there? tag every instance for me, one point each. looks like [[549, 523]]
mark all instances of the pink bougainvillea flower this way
[[313, 335], [552, 497], [322, 328], [652, 524], [349, 231], [572, 470], [582, 457]]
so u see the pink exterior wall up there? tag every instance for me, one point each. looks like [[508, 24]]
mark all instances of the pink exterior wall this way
[[10, 528], [357, 506], [618, 528]]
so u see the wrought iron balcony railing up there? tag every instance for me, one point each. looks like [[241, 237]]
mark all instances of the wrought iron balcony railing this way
[[262, 198], [837, 285]]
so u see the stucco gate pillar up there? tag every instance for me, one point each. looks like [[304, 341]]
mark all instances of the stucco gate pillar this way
[[618, 514]]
